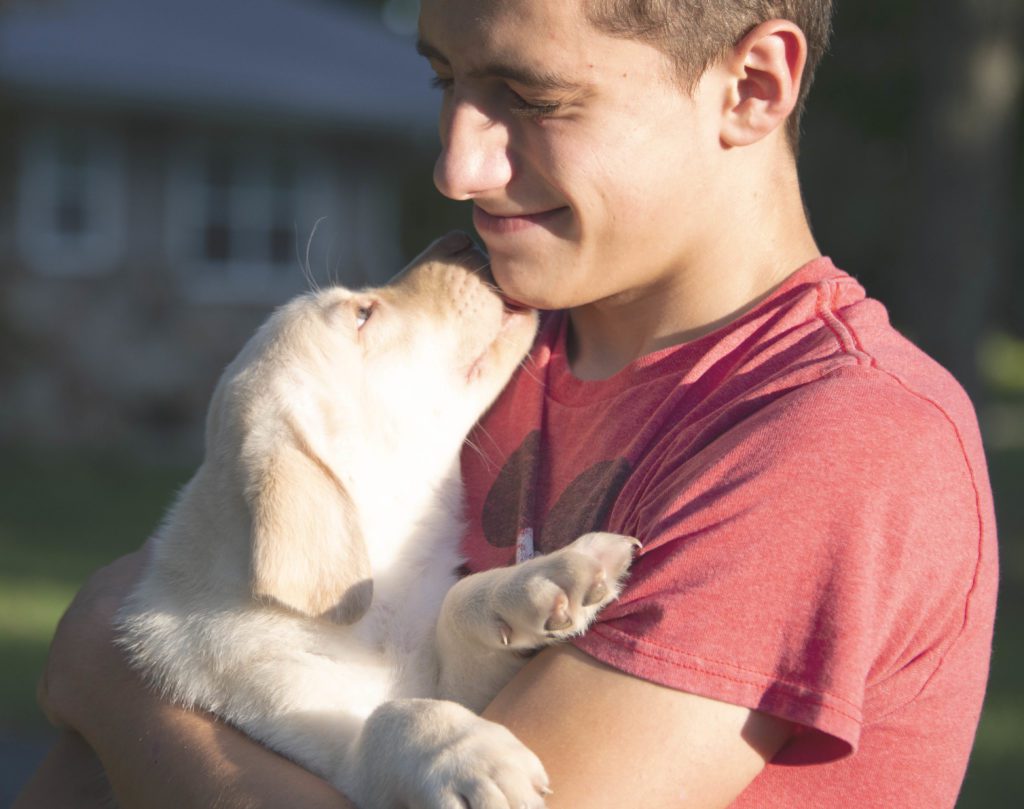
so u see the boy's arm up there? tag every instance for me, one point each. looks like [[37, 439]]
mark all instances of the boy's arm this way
[[194, 768], [579, 716], [70, 775], [592, 727], [155, 755]]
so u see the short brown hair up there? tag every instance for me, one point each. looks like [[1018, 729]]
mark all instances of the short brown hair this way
[[697, 33]]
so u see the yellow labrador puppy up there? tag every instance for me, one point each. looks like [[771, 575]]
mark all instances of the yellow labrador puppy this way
[[303, 586]]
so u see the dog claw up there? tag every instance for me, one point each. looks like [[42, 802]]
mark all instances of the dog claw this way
[[505, 631]]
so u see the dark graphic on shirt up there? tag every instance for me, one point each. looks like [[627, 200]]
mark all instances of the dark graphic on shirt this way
[[509, 506], [583, 506]]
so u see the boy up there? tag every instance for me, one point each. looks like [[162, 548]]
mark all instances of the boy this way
[[810, 620]]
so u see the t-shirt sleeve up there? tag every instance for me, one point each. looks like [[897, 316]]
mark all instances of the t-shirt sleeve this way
[[809, 560]]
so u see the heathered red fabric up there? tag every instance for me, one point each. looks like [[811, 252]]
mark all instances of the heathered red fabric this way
[[819, 540]]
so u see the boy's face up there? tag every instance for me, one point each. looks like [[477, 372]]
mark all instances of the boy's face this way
[[590, 168]]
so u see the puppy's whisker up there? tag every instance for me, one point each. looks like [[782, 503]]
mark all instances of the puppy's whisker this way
[[306, 275], [483, 455], [524, 366], [333, 271], [298, 255], [337, 268], [491, 463], [309, 245], [491, 286]]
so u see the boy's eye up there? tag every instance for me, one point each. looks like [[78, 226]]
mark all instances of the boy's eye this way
[[532, 109], [441, 83], [518, 105]]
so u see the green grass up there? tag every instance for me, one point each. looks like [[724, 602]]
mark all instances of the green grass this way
[[61, 516]]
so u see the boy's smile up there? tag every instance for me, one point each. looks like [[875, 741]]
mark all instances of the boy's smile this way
[[505, 223]]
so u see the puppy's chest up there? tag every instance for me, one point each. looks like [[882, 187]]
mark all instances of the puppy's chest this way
[[404, 613], [398, 631], [412, 573]]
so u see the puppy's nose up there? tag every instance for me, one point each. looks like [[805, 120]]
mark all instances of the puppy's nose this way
[[455, 248], [454, 245], [458, 248], [451, 244]]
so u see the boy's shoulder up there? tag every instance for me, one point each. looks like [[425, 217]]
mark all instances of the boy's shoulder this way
[[814, 373], [818, 328]]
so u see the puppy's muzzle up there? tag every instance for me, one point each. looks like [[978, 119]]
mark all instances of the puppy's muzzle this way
[[452, 248]]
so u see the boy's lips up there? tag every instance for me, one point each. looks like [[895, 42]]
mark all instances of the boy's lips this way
[[513, 223]]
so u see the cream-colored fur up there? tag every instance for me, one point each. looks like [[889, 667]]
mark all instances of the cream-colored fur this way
[[297, 582]]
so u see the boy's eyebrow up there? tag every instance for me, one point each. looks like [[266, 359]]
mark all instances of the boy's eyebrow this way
[[520, 74]]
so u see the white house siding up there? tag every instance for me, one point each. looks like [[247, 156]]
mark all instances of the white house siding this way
[[123, 349], [117, 340]]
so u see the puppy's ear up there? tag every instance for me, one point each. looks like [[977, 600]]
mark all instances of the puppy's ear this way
[[308, 552]]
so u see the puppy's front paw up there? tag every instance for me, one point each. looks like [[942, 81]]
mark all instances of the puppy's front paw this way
[[553, 597], [433, 754], [488, 768]]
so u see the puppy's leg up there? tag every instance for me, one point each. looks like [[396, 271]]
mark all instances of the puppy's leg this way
[[491, 619], [433, 754]]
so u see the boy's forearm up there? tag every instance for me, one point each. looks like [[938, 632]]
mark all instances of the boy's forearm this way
[[160, 756], [156, 755], [70, 775]]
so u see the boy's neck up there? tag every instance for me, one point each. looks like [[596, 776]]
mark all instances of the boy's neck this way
[[746, 255]]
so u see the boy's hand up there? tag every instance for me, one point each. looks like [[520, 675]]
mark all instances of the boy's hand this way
[[140, 741], [83, 663]]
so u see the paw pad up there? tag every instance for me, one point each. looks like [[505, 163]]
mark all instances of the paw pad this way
[[560, 618]]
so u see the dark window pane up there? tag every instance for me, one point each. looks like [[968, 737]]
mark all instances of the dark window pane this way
[[217, 242], [282, 173], [70, 218], [282, 245], [72, 152], [219, 169]]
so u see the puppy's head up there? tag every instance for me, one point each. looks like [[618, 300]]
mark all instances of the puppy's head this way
[[343, 393]]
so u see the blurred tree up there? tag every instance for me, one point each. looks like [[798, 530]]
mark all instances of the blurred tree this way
[[969, 77]]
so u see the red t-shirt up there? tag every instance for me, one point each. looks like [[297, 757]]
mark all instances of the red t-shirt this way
[[819, 540]]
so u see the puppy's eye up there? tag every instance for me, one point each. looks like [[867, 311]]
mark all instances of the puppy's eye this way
[[363, 314]]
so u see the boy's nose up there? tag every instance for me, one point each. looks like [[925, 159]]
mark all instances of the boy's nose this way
[[474, 158]]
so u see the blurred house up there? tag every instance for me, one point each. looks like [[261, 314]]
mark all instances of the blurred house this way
[[163, 167]]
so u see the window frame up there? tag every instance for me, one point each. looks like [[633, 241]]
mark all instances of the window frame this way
[[100, 245]]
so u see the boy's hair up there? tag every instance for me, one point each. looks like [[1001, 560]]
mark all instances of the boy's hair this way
[[697, 33]]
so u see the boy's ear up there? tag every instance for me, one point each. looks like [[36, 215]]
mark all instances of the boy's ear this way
[[765, 69]]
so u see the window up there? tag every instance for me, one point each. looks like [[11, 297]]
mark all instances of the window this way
[[70, 200], [240, 214], [249, 207]]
